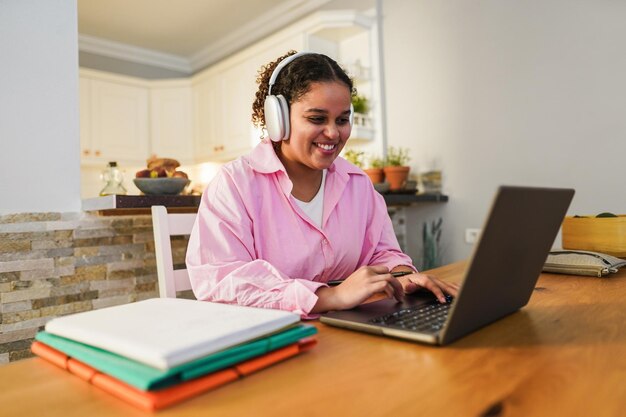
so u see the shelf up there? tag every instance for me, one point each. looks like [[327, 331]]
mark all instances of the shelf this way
[[359, 72], [399, 199], [362, 133], [140, 204]]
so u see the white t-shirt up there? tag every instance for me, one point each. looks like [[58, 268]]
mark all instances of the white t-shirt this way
[[315, 208]]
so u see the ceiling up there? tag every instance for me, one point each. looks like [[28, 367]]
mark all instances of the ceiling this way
[[188, 34]]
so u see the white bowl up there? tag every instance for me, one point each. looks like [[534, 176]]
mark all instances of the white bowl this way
[[161, 186]]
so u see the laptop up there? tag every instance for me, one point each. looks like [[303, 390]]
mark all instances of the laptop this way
[[515, 241]]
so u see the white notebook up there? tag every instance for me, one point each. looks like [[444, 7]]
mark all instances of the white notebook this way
[[165, 332]]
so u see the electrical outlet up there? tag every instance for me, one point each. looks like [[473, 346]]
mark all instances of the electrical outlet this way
[[471, 235]]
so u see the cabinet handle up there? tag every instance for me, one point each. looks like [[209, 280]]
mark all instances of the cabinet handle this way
[[86, 152], [97, 153]]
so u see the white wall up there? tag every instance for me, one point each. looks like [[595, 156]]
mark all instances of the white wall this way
[[39, 139], [508, 92]]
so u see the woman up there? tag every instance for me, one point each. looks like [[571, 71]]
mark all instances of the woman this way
[[276, 225]]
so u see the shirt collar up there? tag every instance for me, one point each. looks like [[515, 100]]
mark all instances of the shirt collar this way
[[263, 159]]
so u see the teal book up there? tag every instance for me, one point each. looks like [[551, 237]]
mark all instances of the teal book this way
[[167, 332], [147, 378]]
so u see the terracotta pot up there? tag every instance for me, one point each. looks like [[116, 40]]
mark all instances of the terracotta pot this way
[[396, 177], [376, 174]]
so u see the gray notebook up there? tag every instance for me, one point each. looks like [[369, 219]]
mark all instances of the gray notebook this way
[[507, 260]]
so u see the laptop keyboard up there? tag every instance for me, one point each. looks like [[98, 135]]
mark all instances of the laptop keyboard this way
[[428, 318]]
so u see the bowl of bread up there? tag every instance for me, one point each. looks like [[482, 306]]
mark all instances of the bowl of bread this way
[[161, 177]]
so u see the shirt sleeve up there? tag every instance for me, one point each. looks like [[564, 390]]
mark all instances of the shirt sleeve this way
[[221, 257], [387, 251]]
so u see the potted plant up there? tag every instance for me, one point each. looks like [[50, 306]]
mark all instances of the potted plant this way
[[375, 170], [396, 168], [360, 105], [354, 157], [431, 237]]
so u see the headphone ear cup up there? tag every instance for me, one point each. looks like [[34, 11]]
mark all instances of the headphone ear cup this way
[[274, 118], [284, 113], [351, 115]]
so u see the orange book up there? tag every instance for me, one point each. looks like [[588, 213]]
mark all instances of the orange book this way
[[154, 400]]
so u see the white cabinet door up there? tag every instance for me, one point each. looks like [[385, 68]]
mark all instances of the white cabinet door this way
[[237, 94], [171, 123], [207, 111], [119, 122], [222, 113], [222, 102]]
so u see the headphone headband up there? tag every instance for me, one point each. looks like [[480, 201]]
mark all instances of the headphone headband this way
[[280, 66], [276, 108]]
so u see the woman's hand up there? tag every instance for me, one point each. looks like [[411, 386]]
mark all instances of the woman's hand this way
[[416, 281], [358, 287]]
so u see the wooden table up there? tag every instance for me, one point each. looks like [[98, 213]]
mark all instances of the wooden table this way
[[562, 355]]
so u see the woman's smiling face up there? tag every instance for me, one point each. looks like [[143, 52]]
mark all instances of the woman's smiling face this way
[[320, 126]]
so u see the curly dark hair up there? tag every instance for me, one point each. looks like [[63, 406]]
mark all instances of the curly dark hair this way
[[295, 80]]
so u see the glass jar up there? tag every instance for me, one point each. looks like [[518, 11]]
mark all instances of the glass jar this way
[[113, 178]]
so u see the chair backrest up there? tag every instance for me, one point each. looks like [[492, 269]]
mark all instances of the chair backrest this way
[[165, 225]]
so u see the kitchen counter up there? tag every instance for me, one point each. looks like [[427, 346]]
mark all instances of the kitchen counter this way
[[140, 204], [401, 199]]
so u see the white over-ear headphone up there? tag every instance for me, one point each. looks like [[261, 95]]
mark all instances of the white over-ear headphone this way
[[276, 108]]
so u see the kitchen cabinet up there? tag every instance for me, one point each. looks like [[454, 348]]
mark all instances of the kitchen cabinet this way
[[126, 120], [223, 112], [237, 89], [222, 101], [207, 113], [171, 120], [114, 122]]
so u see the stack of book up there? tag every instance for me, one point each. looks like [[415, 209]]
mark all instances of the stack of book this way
[[158, 352]]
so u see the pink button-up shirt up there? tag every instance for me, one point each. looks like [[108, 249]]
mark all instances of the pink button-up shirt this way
[[253, 245]]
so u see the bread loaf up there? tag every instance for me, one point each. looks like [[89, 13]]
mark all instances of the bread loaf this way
[[168, 164]]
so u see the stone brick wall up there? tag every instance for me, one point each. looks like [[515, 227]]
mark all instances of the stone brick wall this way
[[53, 264]]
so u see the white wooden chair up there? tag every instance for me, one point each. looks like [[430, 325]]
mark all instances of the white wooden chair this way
[[165, 225]]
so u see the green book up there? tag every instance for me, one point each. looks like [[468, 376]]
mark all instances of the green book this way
[[146, 378]]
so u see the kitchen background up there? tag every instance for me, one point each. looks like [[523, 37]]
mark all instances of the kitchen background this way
[[135, 105], [491, 92], [499, 92]]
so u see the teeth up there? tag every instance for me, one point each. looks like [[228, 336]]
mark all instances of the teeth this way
[[326, 147]]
